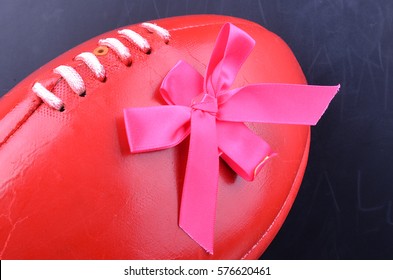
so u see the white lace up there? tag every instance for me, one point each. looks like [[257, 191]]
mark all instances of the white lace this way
[[72, 77], [93, 63], [135, 38], [75, 81], [152, 27], [48, 97], [119, 48]]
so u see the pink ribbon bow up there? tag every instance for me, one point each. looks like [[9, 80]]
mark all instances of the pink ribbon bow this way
[[214, 115]]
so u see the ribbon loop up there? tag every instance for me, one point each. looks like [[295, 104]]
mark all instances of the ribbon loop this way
[[145, 134], [231, 50], [181, 92], [243, 151], [213, 115]]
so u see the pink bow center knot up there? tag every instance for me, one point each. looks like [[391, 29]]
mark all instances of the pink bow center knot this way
[[213, 115], [205, 103]]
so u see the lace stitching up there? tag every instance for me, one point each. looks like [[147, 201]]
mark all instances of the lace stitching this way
[[75, 81]]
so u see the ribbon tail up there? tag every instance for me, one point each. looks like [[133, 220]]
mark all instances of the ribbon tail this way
[[198, 203], [276, 103]]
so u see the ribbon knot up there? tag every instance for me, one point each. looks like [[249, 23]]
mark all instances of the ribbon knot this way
[[206, 103], [219, 130]]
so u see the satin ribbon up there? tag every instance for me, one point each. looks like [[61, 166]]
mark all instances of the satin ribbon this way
[[213, 115]]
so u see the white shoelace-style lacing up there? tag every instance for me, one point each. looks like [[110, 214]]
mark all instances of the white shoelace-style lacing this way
[[72, 77], [48, 97], [152, 27], [93, 63], [135, 38], [120, 49], [75, 81]]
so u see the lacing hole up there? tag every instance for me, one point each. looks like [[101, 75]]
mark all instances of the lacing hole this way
[[103, 80], [148, 51], [62, 109], [101, 50], [83, 94]]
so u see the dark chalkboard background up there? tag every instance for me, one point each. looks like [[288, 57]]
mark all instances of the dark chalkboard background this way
[[344, 207]]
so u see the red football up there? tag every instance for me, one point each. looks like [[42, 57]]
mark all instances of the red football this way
[[70, 187]]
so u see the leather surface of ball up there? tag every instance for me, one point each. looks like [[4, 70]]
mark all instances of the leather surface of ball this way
[[71, 189]]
